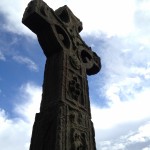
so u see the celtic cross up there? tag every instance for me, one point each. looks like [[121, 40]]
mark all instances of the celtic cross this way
[[64, 121]]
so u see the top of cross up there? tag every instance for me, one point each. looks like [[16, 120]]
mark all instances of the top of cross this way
[[59, 30]]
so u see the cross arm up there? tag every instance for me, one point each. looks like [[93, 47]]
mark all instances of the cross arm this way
[[42, 20], [90, 60]]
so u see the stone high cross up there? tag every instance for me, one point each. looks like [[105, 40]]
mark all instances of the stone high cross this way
[[64, 121]]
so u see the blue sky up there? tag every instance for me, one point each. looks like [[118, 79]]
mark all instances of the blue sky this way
[[118, 31]]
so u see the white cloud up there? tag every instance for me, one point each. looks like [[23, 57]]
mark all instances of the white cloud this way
[[16, 132], [30, 94], [97, 16], [125, 77], [142, 135], [13, 11], [112, 17], [13, 133], [125, 68], [24, 60], [147, 148], [123, 112], [109, 16]]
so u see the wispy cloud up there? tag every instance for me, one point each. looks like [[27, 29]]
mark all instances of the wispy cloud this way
[[13, 12], [136, 138], [2, 57], [26, 61]]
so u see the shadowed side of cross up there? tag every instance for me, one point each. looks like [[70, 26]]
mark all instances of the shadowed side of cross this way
[[59, 30]]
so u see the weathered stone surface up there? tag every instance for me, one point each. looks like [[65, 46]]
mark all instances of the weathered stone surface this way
[[64, 121]]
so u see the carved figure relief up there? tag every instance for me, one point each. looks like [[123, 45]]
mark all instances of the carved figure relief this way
[[74, 60], [81, 119], [79, 140], [85, 141], [77, 118], [75, 88], [73, 117]]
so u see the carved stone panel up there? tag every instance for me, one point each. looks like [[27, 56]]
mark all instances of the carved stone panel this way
[[77, 118], [74, 61], [74, 92], [79, 140]]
